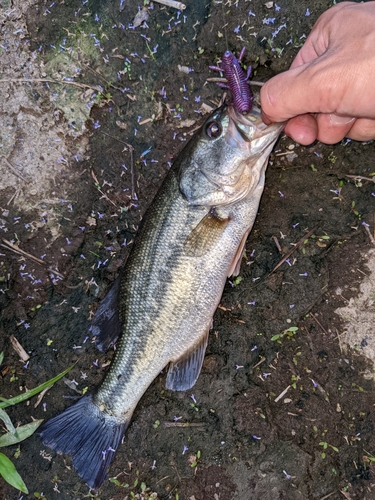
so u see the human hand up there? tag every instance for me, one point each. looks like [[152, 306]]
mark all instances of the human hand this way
[[329, 91]]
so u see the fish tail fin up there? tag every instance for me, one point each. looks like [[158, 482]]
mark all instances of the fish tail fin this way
[[90, 435]]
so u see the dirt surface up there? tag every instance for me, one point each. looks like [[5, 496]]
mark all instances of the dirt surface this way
[[276, 413]]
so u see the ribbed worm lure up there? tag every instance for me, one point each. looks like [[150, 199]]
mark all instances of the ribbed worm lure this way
[[237, 81]]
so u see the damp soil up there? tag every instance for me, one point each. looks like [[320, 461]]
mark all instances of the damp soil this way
[[282, 409]]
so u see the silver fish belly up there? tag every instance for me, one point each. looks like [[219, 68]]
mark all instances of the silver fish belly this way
[[192, 239]]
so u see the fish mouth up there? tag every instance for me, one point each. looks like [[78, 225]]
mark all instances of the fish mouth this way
[[237, 166], [250, 128]]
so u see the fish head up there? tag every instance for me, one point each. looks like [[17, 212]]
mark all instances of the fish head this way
[[227, 158]]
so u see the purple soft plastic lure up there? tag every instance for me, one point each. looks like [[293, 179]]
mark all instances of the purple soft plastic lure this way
[[237, 81]]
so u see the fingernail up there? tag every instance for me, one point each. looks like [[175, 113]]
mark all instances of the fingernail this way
[[340, 119]]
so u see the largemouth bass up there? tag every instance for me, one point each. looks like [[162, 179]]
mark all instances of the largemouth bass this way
[[192, 239]]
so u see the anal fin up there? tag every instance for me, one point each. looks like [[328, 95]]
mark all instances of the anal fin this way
[[105, 325], [183, 373]]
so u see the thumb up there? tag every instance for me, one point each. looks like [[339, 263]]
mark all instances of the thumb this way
[[290, 94]]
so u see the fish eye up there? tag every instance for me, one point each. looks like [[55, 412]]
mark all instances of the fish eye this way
[[213, 129]]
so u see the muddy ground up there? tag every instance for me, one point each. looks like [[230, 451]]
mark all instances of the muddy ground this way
[[75, 180]]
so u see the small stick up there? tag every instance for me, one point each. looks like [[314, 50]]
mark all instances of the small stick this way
[[71, 385], [286, 256], [102, 77], [100, 191], [16, 193], [284, 154], [146, 120], [321, 390], [18, 348], [319, 323], [277, 244], [282, 394], [38, 80], [183, 424], [259, 363], [162, 479], [360, 178], [224, 80], [55, 272], [8, 245], [15, 171], [338, 337], [372, 239], [329, 495], [132, 173], [172, 3], [115, 138], [40, 397], [346, 495], [292, 250], [16, 249]]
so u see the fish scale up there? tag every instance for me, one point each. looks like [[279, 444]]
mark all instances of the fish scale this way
[[192, 238], [160, 255]]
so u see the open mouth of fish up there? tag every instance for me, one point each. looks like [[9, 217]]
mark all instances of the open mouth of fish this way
[[247, 142]]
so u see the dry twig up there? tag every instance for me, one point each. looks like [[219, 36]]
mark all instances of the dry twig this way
[[48, 80], [183, 424], [318, 322], [18, 250], [259, 363], [41, 395], [277, 244], [327, 496], [15, 171], [217, 79], [9, 246], [100, 191], [282, 394], [292, 250], [132, 173], [172, 3], [360, 178], [346, 495], [372, 239], [19, 349]]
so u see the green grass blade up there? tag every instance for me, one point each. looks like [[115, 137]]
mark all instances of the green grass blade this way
[[10, 474], [1, 357], [7, 421], [29, 394], [21, 433]]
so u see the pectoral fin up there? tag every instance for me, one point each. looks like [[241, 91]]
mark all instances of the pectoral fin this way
[[183, 374], [236, 263], [205, 234]]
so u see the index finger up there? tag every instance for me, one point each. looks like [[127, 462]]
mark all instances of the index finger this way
[[295, 92]]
